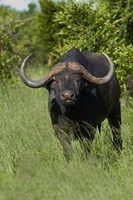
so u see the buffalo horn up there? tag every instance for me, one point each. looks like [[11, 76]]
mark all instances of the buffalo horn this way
[[59, 67], [89, 77], [42, 82]]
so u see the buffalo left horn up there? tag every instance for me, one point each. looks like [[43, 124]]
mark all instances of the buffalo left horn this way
[[93, 79]]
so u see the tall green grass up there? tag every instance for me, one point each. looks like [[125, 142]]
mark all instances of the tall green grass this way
[[32, 163]]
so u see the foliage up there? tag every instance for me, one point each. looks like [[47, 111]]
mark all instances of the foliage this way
[[16, 41], [122, 56], [7, 43], [64, 21], [47, 28], [75, 23]]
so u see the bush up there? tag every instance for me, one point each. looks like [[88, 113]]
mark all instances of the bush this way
[[16, 41], [8, 57]]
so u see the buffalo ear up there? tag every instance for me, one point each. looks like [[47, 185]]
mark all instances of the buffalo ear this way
[[86, 84], [89, 86], [50, 84]]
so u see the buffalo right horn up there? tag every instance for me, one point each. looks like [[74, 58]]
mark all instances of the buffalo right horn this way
[[26, 80], [42, 82]]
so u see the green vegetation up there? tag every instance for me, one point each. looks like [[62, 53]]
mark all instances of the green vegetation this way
[[17, 39], [32, 163]]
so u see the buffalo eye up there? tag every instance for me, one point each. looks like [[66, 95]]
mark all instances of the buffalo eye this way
[[58, 79], [77, 80]]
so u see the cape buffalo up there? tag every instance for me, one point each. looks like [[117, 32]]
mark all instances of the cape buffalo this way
[[130, 84], [83, 91]]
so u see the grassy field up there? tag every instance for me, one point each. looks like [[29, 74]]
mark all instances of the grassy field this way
[[32, 164]]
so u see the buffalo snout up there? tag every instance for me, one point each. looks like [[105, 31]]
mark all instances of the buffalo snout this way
[[67, 96]]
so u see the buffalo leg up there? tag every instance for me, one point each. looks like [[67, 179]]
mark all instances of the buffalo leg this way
[[115, 124], [85, 145], [99, 128], [65, 142], [86, 138], [67, 147]]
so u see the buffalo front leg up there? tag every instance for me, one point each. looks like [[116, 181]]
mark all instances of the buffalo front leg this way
[[115, 124], [86, 138], [85, 145], [65, 141]]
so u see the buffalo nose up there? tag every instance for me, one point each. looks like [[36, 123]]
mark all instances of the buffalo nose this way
[[67, 95]]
